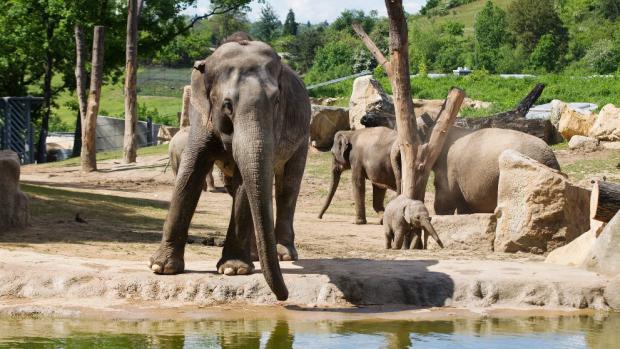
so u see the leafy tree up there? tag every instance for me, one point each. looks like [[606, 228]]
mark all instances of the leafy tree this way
[[290, 26], [490, 33], [226, 24], [529, 20], [603, 57], [453, 28], [546, 53], [335, 58], [610, 9], [348, 17], [266, 28], [304, 46]]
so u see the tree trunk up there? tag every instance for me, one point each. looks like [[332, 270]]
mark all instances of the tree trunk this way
[[89, 146], [401, 87], [47, 93], [131, 95], [80, 89], [184, 119], [605, 201]]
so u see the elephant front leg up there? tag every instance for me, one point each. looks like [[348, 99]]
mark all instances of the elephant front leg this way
[[236, 259], [288, 182], [378, 197], [359, 193], [168, 259]]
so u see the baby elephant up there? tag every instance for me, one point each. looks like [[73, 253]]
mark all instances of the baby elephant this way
[[402, 218]]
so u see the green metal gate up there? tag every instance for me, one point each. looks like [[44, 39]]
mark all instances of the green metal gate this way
[[16, 131]]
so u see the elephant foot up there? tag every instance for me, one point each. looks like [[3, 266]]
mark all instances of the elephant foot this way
[[360, 221], [234, 267], [286, 252], [167, 260]]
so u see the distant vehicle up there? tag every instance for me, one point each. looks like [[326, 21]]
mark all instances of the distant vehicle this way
[[462, 71]]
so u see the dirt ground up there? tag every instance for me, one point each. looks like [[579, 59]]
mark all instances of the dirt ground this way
[[124, 207]]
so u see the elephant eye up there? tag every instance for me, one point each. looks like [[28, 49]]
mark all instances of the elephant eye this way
[[227, 107]]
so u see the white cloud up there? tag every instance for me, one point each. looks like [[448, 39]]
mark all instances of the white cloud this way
[[317, 10]]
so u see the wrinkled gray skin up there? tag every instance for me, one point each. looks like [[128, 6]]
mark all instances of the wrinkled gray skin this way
[[405, 218], [251, 113], [175, 152], [467, 170], [367, 153]]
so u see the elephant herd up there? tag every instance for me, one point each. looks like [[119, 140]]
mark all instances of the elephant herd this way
[[249, 115]]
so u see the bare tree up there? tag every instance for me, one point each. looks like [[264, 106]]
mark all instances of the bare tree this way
[[80, 88], [89, 148], [130, 145]]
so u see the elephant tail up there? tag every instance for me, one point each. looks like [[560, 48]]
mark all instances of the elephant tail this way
[[336, 172]]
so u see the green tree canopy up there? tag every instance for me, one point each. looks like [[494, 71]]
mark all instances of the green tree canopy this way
[[290, 26], [266, 28], [490, 34], [529, 20]]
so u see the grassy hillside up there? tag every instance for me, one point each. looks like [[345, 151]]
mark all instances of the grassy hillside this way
[[465, 14]]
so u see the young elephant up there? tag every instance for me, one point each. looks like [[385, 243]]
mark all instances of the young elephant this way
[[403, 217], [368, 154], [175, 153]]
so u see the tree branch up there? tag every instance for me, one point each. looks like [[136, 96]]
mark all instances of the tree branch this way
[[216, 10], [373, 48]]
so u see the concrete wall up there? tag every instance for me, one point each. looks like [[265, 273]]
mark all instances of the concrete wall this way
[[110, 132]]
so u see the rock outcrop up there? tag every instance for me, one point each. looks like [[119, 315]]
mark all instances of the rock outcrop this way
[[469, 232], [368, 99], [575, 122], [14, 211], [607, 124], [583, 143], [165, 133], [575, 253], [538, 210], [604, 257], [324, 123]]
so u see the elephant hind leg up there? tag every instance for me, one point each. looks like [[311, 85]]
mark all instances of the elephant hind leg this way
[[288, 182], [359, 195], [378, 197]]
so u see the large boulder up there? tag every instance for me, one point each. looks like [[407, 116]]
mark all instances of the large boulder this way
[[583, 143], [537, 210], [575, 253], [369, 100], [607, 124], [14, 204], [324, 123], [165, 133], [575, 122], [470, 232], [604, 257]]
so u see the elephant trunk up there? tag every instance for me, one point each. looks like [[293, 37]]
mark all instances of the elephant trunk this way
[[428, 227], [336, 172], [253, 149]]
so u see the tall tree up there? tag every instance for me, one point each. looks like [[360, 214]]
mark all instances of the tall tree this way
[[290, 26], [131, 75], [268, 24], [80, 88], [89, 149], [490, 33], [529, 20]]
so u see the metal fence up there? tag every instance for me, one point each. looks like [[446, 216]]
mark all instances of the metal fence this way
[[16, 132]]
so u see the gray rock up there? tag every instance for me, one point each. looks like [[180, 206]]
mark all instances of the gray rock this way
[[607, 124], [583, 143], [469, 232], [538, 210], [324, 123], [612, 293], [14, 210], [369, 100], [604, 257]]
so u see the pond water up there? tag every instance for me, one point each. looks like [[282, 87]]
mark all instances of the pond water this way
[[600, 331]]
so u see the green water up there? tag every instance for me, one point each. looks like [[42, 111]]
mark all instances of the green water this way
[[601, 331]]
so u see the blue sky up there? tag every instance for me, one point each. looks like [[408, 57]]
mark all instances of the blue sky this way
[[316, 10]]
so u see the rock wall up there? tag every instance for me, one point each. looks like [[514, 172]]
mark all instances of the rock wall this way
[[604, 256], [538, 210], [14, 212], [468, 232], [607, 124], [324, 123]]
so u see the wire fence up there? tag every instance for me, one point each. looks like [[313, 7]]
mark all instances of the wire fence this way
[[163, 81]]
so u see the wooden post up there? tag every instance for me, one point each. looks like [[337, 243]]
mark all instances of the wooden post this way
[[131, 95], [604, 201], [89, 146], [80, 89]]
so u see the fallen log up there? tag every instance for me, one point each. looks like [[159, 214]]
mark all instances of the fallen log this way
[[515, 119], [604, 201]]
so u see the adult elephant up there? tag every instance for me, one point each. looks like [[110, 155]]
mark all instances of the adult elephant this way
[[368, 154], [250, 110], [467, 170], [175, 153]]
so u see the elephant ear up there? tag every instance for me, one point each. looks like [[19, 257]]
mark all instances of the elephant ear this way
[[407, 213], [200, 92], [341, 146]]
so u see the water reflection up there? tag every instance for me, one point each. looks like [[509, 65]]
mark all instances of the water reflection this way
[[601, 331]]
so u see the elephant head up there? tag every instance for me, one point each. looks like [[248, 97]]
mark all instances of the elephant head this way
[[236, 94], [340, 150], [417, 216]]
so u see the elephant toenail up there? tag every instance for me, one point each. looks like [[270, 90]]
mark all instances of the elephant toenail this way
[[287, 257], [242, 271], [229, 271], [156, 268]]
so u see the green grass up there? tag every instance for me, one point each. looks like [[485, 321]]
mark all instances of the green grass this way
[[587, 168], [465, 14], [503, 93], [161, 149]]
